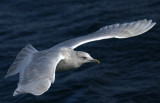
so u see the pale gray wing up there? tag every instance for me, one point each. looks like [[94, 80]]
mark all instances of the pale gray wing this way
[[125, 30], [38, 75]]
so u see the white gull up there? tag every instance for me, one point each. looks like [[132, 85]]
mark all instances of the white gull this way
[[37, 68]]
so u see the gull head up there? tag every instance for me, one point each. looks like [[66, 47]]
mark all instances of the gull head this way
[[84, 57], [74, 59]]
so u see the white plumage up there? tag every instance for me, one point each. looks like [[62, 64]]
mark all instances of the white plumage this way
[[37, 68]]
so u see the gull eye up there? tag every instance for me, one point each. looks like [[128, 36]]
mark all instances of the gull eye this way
[[83, 58]]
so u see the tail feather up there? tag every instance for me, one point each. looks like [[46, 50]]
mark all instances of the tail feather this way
[[22, 58], [16, 92]]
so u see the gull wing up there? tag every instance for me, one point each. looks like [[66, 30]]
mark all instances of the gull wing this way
[[37, 76], [125, 30]]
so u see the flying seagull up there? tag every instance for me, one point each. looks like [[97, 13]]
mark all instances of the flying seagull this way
[[37, 68]]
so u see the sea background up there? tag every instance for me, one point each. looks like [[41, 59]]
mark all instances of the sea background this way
[[129, 71]]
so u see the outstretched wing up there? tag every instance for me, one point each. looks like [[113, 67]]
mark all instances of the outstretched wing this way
[[38, 75], [125, 30]]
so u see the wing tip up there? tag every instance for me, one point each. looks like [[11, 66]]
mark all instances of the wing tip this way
[[154, 23], [149, 20], [145, 25]]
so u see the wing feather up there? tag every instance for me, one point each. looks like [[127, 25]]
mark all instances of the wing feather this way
[[125, 30], [37, 76]]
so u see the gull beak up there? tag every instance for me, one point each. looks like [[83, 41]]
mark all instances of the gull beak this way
[[95, 60]]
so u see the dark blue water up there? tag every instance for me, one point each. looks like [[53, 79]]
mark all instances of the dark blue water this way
[[130, 68]]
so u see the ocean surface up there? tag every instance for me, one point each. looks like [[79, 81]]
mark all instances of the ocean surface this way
[[129, 71]]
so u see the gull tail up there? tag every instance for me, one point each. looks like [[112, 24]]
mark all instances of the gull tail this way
[[22, 58], [16, 92]]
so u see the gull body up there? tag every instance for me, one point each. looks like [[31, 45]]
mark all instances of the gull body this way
[[37, 68]]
